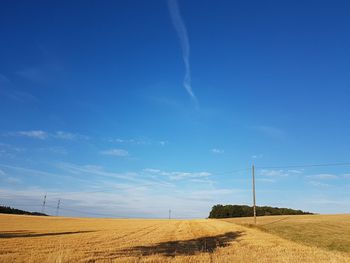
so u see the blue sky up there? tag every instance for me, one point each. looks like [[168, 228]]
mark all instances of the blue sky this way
[[132, 108]]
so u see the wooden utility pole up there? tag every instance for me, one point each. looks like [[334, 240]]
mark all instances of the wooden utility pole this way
[[254, 204]]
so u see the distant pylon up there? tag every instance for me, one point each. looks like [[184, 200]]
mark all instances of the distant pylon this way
[[169, 213], [44, 203], [254, 202], [58, 206]]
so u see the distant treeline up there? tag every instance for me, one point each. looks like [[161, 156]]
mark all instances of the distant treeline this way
[[226, 211], [10, 210]]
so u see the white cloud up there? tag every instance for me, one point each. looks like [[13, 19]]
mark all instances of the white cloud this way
[[267, 180], [64, 135], [43, 135], [318, 184], [257, 156], [323, 176], [346, 176], [100, 172], [8, 179], [178, 175], [273, 173], [13, 180], [145, 193], [116, 152], [147, 203], [295, 171], [217, 151], [181, 30], [36, 134], [203, 181], [30, 172], [183, 175], [150, 170], [139, 141], [130, 141]]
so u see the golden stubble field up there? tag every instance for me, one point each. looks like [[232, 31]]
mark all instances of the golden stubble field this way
[[331, 232], [58, 239]]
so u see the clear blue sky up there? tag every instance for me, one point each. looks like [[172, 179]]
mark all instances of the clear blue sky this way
[[131, 108]]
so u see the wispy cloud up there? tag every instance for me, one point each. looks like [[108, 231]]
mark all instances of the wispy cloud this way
[[145, 193], [138, 141], [43, 135], [33, 74], [64, 135], [163, 143], [217, 151], [181, 30], [31, 172], [294, 171], [257, 156], [271, 131], [6, 178], [4, 79], [7, 88], [266, 180], [122, 203], [173, 175], [9, 150], [132, 141], [116, 152], [273, 173], [35, 134], [54, 149], [324, 176], [12, 180], [319, 184]]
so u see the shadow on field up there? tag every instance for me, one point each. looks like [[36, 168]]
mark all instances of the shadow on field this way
[[186, 247], [25, 233]]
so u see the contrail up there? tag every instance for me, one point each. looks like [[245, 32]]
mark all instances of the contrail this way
[[181, 30]]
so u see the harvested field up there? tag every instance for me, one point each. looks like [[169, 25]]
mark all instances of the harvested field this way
[[330, 232], [56, 239]]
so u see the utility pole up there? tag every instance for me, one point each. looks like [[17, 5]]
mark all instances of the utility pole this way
[[169, 213], [254, 204], [44, 203], [58, 206]]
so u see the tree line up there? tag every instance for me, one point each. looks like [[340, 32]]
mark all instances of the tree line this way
[[10, 210], [227, 211]]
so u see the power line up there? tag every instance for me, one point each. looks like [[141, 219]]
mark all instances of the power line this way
[[231, 172], [65, 209], [304, 166], [86, 213]]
